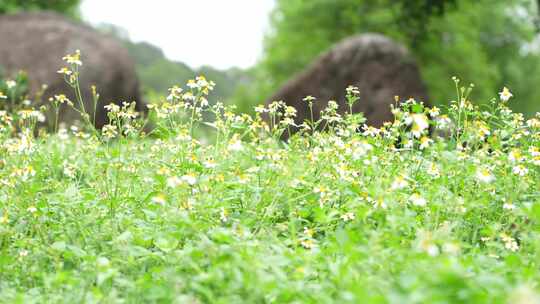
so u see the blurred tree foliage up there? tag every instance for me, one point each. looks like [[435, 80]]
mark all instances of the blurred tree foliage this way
[[66, 7], [157, 73], [489, 42]]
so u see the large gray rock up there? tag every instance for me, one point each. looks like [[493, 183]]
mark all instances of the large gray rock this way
[[378, 66], [36, 43]]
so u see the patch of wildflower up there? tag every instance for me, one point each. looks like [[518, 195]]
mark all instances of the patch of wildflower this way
[[123, 120], [509, 242], [337, 200]]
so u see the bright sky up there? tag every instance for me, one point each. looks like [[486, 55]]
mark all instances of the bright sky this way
[[220, 33]]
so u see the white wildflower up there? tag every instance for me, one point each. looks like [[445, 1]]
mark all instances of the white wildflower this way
[[484, 175], [509, 206], [505, 95], [10, 84], [399, 183], [159, 199], [418, 200], [235, 144], [520, 170], [190, 178], [420, 123], [349, 216], [174, 181]]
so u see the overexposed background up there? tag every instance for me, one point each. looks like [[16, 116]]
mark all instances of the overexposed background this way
[[219, 33]]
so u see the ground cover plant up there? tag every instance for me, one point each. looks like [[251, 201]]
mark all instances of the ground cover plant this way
[[439, 206]]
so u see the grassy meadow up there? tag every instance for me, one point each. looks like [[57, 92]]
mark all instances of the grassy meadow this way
[[439, 206]]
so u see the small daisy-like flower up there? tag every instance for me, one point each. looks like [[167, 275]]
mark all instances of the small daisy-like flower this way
[[505, 95], [69, 170], [210, 164], [188, 96], [433, 170], [23, 253], [371, 131], [204, 102], [443, 121], [399, 183], [190, 178], [31, 115], [163, 171], [482, 129], [290, 112], [434, 112], [360, 149], [2, 95], [515, 156], [430, 248], [260, 109], [308, 244], [10, 84], [235, 144], [425, 142], [103, 262], [159, 199], [533, 123], [202, 82], [64, 71], [509, 206], [323, 194], [520, 170], [174, 181], [535, 151], [379, 203], [352, 90], [175, 93], [31, 209], [407, 143], [484, 175], [295, 183], [74, 59], [309, 99], [349, 216], [319, 189], [418, 200], [61, 98], [309, 232], [420, 124], [192, 84], [509, 242], [109, 131], [223, 215], [112, 108]]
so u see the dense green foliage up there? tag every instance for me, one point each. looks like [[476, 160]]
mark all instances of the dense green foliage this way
[[487, 41], [68, 7], [337, 215]]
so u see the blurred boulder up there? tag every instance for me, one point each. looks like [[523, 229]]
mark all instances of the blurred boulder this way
[[378, 66], [36, 43]]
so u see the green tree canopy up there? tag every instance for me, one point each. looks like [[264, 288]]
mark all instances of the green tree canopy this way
[[490, 43], [67, 7]]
